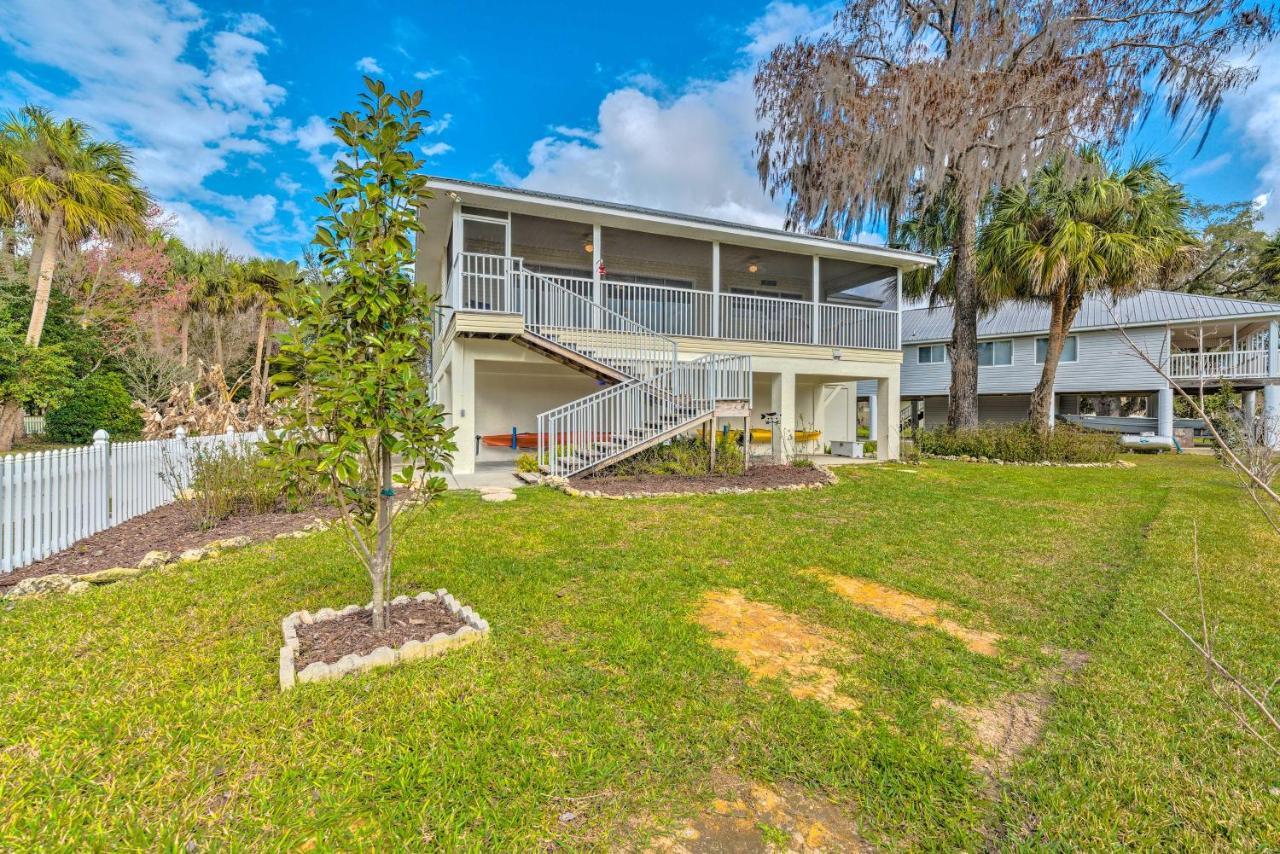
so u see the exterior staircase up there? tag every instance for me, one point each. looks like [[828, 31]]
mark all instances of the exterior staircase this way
[[653, 395]]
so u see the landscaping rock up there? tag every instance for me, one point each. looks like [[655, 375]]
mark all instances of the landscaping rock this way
[[79, 587], [42, 585], [317, 671], [192, 555], [154, 560], [383, 656], [110, 576], [286, 668], [230, 543]]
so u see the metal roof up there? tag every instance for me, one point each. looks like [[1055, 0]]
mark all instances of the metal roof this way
[[916, 258], [1148, 308]]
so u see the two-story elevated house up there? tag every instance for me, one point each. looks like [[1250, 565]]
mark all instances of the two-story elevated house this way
[[592, 330]]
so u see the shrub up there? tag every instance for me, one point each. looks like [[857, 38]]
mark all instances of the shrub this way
[[684, 457], [801, 463], [869, 448], [226, 481], [527, 463], [1021, 443], [97, 402]]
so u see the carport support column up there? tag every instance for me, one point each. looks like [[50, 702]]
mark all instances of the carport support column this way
[[1164, 412], [873, 419], [462, 407], [1271, 415], [1249, 406], [784, 403], [886, 405]]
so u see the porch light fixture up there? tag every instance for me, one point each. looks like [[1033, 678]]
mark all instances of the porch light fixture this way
[[588, 247], [753, 264]]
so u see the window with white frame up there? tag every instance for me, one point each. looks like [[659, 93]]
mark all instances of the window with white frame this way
[[993, 354], [1070, 350], [931, 354]]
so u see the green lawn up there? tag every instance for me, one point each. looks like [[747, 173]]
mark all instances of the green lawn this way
[[147, 715]]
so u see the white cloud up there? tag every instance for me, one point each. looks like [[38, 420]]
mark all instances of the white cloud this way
[[368, 65], [287, 184], [316, 139], [691, 153], [1255, 115], [439, 125], [1208, 167], [186, 96], [427, 74], [253, 24], [436, 149]]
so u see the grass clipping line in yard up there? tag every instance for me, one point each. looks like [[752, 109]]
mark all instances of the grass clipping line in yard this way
[[771, 643]]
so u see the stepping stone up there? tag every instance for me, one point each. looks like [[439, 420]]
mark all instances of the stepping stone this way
[[494, 497]]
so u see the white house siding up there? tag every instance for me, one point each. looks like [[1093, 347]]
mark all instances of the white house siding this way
[[1106, 364]]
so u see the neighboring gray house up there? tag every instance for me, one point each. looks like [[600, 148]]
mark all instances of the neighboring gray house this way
[[1201, 340]]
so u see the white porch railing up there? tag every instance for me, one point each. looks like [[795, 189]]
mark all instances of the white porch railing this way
[[1221, 365], [51, 499], [752, 318], [855, 326], [494, 283]]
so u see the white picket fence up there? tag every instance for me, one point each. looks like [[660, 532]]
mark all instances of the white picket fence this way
[[33, 425], [51, 499]]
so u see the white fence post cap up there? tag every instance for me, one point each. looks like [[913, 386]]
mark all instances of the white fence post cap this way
[[100, 436], [180, 432]]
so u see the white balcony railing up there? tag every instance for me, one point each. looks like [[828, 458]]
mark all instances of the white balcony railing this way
[[492, 283], [1221, 365]]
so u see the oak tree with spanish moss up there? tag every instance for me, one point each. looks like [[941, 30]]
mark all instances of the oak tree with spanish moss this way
[[903, 99]]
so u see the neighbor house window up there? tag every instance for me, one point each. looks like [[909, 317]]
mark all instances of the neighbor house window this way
[[1070, 349], [932, 354], [994, 353]]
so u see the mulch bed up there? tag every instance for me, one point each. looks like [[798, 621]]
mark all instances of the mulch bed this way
[[170, 528], [329, 640], [757, 477]]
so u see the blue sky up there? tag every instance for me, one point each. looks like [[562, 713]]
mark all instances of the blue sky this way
[[649, 103]]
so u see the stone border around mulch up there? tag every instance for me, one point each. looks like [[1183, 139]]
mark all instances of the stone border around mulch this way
[[563, 484], [1114, 464], [475, 628], [58, 582]]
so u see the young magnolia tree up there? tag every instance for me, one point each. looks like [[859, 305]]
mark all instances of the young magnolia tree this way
[[900, 103], [350, 377]]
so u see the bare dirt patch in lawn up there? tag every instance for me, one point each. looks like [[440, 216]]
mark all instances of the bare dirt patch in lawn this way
[[905, 608], [752, 817], [770, 642], [170, 528], [757, 477], [1012, 724]]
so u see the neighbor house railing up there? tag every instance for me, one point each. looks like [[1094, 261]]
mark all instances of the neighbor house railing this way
[[1226, 364], [51, 499], [494, 283]]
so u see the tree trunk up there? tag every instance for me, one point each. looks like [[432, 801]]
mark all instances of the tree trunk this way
[[1062, 313], [155, 329], [10, 424], [184, 335], [382, 553], [44, 277], [962, 406], [33, 263], [257, 392]]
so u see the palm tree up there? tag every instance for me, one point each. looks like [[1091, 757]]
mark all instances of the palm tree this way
[[1079, 227], [68, 187], [214, 293], [262, 282]]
